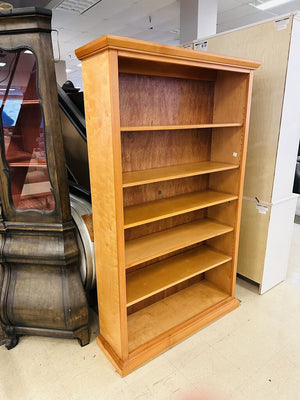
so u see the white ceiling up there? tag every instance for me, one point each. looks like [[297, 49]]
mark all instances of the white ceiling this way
[[130, 18]]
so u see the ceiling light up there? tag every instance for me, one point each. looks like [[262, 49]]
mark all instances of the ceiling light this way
[[77, 6], [2, 64], [268, 4]]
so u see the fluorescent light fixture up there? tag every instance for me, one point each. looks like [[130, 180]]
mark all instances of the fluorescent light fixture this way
[[2, 64], [269, 4], [77, 6], [11, 90]]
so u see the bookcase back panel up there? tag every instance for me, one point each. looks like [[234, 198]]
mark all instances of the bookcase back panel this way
[[161, 225], [152, 100], [163, 68], [160, 190], [154, 149], [164, 294]]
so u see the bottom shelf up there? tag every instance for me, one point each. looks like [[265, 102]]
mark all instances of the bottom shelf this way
[[158, 318], [160, 326]]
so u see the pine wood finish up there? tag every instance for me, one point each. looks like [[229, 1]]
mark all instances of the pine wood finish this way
[[167, 133]]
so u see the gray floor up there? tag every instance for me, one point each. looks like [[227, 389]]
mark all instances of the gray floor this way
[[251, 353]]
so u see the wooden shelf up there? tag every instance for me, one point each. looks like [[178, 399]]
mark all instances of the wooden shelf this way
[[148, 281], [172, 311], [159, 209], [145, 176], [31, 101], [178, 127], [157, 244], [27, 164]]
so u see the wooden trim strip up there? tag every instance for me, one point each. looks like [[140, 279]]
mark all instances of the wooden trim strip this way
[[119, 43]]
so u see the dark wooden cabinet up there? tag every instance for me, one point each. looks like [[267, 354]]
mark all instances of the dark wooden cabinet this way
[[41, 290]]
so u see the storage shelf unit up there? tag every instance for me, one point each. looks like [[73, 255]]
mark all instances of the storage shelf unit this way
[[135, 178], [175, 127], [157, 244], [167, 133]]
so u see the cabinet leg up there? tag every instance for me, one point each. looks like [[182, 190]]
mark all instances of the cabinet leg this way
[[82, 336], [9, 342]]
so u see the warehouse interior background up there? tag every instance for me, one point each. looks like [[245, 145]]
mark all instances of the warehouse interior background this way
[[252, 353]]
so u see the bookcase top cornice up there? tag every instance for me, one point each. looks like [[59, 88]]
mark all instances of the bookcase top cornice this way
[[138, 47]]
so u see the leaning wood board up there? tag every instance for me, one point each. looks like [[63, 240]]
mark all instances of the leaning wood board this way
[[167, 134]]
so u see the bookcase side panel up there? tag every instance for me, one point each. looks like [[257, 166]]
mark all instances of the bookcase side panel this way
[[100, 79], [244, 143]]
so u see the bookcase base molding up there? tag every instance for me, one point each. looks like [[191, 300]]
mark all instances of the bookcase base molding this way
[[167, 134], [166, 340]]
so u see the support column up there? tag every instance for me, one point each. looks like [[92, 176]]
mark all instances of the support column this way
[[198, 19]]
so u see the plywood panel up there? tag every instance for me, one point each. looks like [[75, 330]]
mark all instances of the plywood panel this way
[[230, 97], [225, 181], [144, 150], [221, 277], [161, 225], [226, 145], [268, 92], [152, 321], [164, 189], [253, 241], [150, 100]]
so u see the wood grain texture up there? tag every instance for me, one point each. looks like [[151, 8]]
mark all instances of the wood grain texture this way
[[156, 191], [225, 181], [226, 145], [167, 119], [163, 294], [221, 277], [268, 94], [151, 211], [133, 45], [147, 150], [232, 106], [174, 172], [105, 172], [146, 282], [158, 318], [176, 127], [41, 291], [162, 68], [170, 240], [163, 224], [151, 100]]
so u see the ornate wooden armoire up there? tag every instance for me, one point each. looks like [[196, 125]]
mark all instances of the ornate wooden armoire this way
[[41, 291]]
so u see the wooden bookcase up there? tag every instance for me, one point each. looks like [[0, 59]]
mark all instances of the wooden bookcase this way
[[167, 133]]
